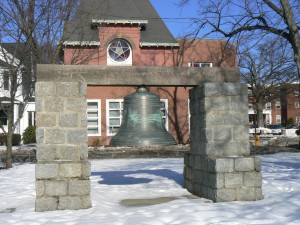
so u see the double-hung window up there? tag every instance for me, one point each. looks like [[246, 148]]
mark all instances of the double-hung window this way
[[94, 117], [114, 111]]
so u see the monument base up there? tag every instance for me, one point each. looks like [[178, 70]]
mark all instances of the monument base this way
[[223, 179]]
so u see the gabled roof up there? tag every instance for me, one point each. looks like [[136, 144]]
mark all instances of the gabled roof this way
[[92, 13], [18, 52]]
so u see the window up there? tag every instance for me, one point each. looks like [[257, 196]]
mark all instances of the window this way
[[297, 119], [93, 117], [31, 118], [114, 114], [3, 117], [296, 93], [114, 111], [164, 112], [297, 105], [278, 118], [6, 81], [119, 53], [277, 105], [200, 64], [268, 105]]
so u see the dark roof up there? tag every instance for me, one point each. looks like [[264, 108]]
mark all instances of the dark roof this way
[[132, 11]]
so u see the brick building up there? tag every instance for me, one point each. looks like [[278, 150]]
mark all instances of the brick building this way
[[283, 110], [131, 33]]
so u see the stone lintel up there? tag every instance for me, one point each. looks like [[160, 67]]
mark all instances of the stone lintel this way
[[132, 76]]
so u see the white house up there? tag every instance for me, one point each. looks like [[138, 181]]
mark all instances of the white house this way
[[9, 60]]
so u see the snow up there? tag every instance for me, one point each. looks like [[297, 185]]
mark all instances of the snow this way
[[150, 192]]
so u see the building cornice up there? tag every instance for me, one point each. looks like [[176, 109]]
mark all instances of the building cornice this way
[[82, 43], [159, 44], [122, 21]]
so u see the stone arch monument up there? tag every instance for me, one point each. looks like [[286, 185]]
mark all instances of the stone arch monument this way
[[218, 167]]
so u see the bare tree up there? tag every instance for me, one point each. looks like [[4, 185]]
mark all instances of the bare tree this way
[[267, 69], [252, 20], [37, 30]]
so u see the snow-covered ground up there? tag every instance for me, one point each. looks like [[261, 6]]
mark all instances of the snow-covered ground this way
[[149, 192]]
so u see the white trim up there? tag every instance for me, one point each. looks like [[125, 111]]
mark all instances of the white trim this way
[[157, 44], [82, 43], [124, 21], [166, 117], [107, 114], [97, 118]]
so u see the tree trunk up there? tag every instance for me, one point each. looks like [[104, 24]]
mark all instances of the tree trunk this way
[[9, 135], [259, 112], [294, 36]]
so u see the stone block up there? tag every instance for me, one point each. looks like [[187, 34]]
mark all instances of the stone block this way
[[252, 179], [39, 105], [46, 119], [198, 177], [224, 195], [243, 164], [86, 169], [68, 153], [76, 104], [45, 89], [257, 164], [239, 104], [216, 181], [187, 172], [68, 119], [40, 135], [46, 171], [69, 203], [223, 133], [232, 119], [68, 89], [245, 194], [230, 89], [54, 136], [210, 89], [39, 188], [46, 153], [82, 119], [84, 151], [77, 136], [54, 104], [258, 193], [79, 187], [220, 104], [55, 187], [240, 132], [46, 204], [82, 89], [70, 170], [223, 165], [233, 180], [86, 202]]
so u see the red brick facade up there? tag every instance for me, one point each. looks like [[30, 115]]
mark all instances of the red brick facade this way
[[190, 53]]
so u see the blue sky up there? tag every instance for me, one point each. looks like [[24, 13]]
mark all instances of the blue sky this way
[[170, 9]]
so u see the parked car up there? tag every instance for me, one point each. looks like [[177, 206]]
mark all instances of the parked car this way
[[291, 127], [259, 130], [276, 129]]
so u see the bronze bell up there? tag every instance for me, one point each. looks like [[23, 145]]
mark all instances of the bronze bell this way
[[142, 123]]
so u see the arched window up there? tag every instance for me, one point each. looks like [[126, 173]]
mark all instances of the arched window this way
[[119, 53]]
